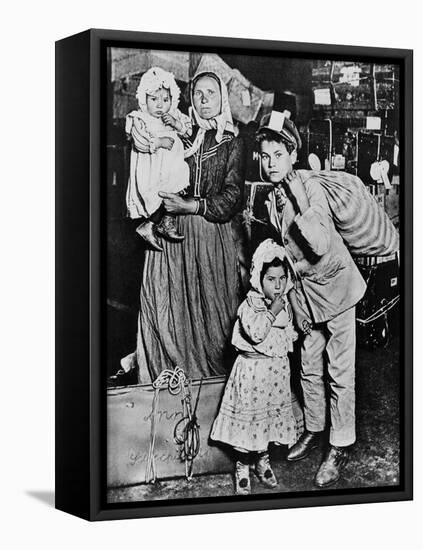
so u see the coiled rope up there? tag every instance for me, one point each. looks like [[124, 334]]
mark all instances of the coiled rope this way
[[187, 430]]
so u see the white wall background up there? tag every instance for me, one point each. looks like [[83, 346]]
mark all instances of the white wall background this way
[[28, 32]]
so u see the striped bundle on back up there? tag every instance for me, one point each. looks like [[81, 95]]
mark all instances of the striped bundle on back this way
[[362, 222]]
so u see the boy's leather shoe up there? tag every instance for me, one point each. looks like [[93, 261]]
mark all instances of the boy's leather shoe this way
[[332, 466], [303, 447]]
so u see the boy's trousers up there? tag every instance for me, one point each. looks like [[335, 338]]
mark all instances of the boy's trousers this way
[[330, 344]]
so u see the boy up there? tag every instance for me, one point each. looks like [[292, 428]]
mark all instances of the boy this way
[[329, 285]]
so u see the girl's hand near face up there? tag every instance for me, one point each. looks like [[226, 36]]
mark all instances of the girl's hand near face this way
[[277, 305]]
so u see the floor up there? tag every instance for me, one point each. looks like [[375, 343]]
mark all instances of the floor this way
[[374, 459]]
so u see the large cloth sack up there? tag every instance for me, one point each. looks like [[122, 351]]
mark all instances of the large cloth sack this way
[[362, 222]]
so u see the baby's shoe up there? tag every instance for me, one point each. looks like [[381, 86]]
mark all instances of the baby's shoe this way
[[167, 228], [242, 478], [264, 471], [146, 232]]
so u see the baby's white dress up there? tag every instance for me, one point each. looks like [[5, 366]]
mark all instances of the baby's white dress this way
[[158, 170]]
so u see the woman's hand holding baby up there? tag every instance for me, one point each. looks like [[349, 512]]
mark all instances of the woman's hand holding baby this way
[[175, 204], [165, 143]]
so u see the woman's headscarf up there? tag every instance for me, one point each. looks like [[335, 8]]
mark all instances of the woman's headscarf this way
[[155, 79], [267, 251], [220, 123]]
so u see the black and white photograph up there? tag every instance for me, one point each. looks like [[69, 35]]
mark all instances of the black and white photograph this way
[[253, 328], [210, 275]]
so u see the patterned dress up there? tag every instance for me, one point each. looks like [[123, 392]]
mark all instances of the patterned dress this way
[[191, 291], [257, 405]]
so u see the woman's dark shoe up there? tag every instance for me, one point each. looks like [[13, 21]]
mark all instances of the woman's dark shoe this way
[[167, 229], [331, 468], [303, 447]]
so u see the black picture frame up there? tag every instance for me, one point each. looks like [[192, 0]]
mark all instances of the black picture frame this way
[[80, 248]]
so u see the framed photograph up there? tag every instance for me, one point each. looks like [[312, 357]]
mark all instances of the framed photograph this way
[[234, 274]]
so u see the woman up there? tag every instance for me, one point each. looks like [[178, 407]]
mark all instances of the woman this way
[[190, 291]]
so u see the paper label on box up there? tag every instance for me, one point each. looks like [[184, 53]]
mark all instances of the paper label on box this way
[[338, 162], [373, 123], [276, 121], [322, 97], [351, 75]]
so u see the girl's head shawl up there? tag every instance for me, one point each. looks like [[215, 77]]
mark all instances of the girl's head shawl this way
[[267, 251]]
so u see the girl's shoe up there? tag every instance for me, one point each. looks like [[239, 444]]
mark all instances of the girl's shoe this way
[[242, 478], [264, 471]]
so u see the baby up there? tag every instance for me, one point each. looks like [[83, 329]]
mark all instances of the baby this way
[[157, 156]]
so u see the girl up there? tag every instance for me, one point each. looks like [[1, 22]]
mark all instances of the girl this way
[[157, 157], [256, 407]]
